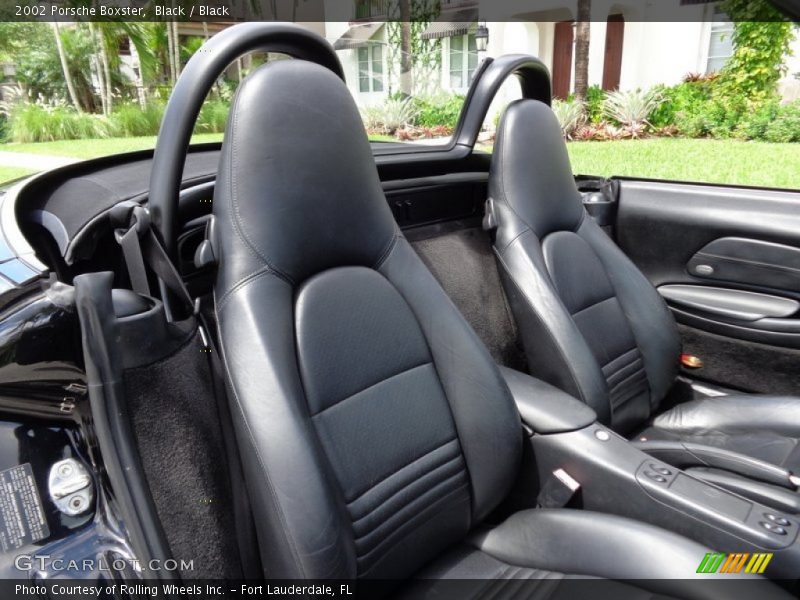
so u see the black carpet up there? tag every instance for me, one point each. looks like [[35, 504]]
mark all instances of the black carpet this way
[[463, 262], [746, 366], [176, 424]]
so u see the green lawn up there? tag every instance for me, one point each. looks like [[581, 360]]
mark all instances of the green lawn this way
[[102, 147], [713, 161], [9, 173]]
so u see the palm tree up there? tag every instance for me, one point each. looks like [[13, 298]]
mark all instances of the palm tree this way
[[62, 55], [406, 82], [582, 48]]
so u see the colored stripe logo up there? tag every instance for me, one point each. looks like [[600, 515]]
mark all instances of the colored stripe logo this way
[[718, 562]]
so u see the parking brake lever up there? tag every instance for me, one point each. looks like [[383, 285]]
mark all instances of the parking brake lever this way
[[687, 454]]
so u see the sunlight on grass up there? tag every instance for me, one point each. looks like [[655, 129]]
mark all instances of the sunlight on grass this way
[[9, 173], [710, 161]]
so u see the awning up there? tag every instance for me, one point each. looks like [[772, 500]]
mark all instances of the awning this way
[[452, 22], [357, 36]]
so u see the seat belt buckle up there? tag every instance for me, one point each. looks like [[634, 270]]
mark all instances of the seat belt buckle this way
[[559, 489]]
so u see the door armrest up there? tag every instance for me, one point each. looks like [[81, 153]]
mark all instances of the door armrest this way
[[545, 408]]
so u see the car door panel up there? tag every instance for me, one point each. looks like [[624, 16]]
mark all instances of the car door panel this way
[[749, 261], [727, 261]]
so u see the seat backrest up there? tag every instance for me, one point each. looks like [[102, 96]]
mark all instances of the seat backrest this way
[[590, 322], [375, 429]]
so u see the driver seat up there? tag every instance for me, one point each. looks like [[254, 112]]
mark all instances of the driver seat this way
[[375, 430]]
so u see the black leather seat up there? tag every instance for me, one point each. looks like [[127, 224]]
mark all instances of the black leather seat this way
[[376, 431], [590, 322]]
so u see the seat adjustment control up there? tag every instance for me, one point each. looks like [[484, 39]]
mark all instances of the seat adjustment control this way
[[772, 528], [655, 476], [781, 521], [659, 469]]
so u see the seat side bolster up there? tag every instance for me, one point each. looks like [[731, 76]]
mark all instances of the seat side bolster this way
[[745, 414], [490, 436], [556, 350], [652, 323], [301, 525], [598, 545]]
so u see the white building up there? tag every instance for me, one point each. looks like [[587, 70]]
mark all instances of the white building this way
[[630, 47]]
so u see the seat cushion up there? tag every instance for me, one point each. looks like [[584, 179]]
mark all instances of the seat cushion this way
[[541, 553], [764, 427]]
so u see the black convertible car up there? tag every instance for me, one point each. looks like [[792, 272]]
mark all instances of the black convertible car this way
[[420, 370]]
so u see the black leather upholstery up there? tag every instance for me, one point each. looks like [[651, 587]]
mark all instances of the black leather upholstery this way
[[771, 433], [590, 322], [375, 429], [545, 408]]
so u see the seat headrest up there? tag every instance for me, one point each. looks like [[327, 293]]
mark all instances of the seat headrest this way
[[531, 170], [298, 190]]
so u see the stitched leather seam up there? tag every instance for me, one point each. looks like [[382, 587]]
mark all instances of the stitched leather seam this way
[[410, 525], [639, 371], [386, 251], [245, 281], [440, 463], [427, 501], [623, 398], [501, 168], [636, 365], [592, 305], [613, 360], [372, 385], [432, 484], [411, 462], [233, 190], [519, 235], [270, 487]]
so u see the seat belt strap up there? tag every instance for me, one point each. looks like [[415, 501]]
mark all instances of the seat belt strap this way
[[132, 252], [140, 247]]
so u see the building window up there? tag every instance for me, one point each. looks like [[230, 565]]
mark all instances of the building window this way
[[463, 60], [370, 68], [720, 45]]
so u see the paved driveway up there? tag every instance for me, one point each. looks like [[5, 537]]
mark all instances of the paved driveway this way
[[35, 162]]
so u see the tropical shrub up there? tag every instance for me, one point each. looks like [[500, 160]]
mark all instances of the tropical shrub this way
[[389, 116], [130, 119], [631, 109], [213, 116], [595, 98], [38, 122], [785, 127], [680, 102], [570, 115], [438, 110], [761, 41]]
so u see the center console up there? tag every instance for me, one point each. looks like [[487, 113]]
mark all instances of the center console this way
[[617, 477]]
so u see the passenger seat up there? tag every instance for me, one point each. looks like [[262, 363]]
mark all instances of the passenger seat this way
[[593, 325]]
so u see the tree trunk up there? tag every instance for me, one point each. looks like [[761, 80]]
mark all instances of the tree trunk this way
[[170, 53], [65, 68], [98, 68], [406, 76], [106, 71], [177, 48], [137, 64], [582, 49]]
